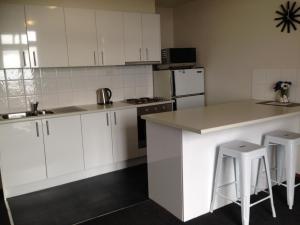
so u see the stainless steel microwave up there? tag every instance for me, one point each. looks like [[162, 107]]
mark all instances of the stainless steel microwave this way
[[178, 55]]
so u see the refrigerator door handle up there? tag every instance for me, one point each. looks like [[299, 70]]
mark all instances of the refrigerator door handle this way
[[190, 95], [173, 87]]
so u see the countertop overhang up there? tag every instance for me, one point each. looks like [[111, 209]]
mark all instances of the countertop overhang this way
[[222, 116]]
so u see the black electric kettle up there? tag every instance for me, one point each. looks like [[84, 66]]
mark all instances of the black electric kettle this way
[[104, 96]]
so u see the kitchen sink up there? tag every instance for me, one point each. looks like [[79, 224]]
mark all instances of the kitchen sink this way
[[69, 109], [19, 115]]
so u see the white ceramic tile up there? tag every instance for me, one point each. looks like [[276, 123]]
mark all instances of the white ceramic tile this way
[[144, 92], [273, 75], [14, 74], [259, 91], [117, 94], [15, 88], [289, 75], [32, 73], [49, 85], [3, 106], [104, 81], [64, 84], [50, 101], [3, 93], [117, 81], [32, 87], [17, 104], [129, 81], [65, 98], [64, 73], [129, 93], [260, 76], [49, 73], [2, 75]]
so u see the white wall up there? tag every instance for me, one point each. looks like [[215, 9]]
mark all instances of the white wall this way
[[57, 87], [121, 5], [234, 38]]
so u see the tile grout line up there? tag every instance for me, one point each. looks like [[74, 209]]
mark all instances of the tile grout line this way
[[111, 212]]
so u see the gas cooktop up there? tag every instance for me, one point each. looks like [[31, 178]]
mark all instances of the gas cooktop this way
[[145, 100]]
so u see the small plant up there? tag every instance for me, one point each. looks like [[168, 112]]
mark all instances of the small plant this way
[[282, 90]]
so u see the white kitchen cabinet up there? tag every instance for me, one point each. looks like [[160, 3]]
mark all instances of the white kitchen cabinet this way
[[13, 37], [151, 37], [81, 37], [142, 37], [63, 145], [46, 36], [133, 37], [22, 153], [124, 134], [110, 37], [97, 141]]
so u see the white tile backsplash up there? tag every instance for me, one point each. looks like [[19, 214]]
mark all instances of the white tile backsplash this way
[[57, 87], [263, 81]]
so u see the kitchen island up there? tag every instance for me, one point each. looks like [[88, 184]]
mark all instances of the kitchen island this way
[[182, 149]]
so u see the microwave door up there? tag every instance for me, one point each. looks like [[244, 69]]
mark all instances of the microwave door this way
[[188, 82]]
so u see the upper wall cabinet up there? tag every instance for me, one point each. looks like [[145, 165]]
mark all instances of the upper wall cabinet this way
[[13, 38], [110, 37], [151, 37], [142, 37], [46, 36], [81, 37]]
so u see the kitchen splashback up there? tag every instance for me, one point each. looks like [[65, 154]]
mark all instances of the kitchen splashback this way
[[57, 87], [264, 79]]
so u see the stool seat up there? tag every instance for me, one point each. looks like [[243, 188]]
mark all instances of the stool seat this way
[[242, 153], [282, 137]]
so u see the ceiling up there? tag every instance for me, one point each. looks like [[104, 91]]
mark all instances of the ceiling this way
[[170, 3]]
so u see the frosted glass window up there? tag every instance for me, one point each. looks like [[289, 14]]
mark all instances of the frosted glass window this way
[[11, 59]]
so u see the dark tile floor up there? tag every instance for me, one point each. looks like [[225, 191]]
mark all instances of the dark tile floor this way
[[78, 201]]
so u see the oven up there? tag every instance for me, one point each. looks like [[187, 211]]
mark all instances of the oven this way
[[165, 107]]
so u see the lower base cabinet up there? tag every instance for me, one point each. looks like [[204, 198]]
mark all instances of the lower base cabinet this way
[[124, 134], [97, 143], [22, 153], [63, 145]]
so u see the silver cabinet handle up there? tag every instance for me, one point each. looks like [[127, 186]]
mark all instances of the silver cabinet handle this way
[[102, 57], [140, 54], [47, 127], [24, 59], [115, 116], [95, 58], [107, 121], [37, 129], [147, 53], [34, 59]]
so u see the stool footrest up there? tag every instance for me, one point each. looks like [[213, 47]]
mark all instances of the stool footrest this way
[[228, 184], [259, 201], [227, 198]]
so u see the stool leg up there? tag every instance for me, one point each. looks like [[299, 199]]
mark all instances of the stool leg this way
[[290, 162], [245, 170], [237, 177], [257, 177], [279, 163], [217, 179], [267, 168]]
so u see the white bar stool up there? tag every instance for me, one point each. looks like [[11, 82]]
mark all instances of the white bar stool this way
[[286, 147], [242, 153]]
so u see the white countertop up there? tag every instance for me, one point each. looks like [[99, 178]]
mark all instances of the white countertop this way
[[92, 108], [222, 116]]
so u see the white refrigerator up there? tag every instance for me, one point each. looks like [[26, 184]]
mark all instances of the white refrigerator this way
[[184, 86]]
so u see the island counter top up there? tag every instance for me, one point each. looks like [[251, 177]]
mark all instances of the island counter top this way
[[222, 116]]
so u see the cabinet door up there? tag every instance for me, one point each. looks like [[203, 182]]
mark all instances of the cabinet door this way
[[151, 37], [46, 36], [22, 153], [110, 38], [13, 37], [63, 145], [97, 143], [133, 37], [124, 134], [81, 37]]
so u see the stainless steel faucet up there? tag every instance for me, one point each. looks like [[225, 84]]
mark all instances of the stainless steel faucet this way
[[34, 108]]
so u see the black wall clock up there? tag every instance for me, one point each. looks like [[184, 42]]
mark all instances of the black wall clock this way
[[288, 17]]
